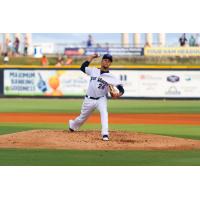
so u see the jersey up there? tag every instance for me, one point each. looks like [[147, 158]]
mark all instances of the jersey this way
[[98, 85]]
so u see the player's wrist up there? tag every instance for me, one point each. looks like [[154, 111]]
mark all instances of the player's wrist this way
[[90, 58], [96, 55]]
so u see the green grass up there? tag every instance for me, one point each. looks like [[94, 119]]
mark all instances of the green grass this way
[[6, 128], [114, 106], [128, 60], [182, 131], [13, 157], [32, 157]]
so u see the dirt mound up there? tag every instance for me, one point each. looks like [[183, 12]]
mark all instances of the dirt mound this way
[[58, 139]]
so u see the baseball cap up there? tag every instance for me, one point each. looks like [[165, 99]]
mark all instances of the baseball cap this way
[[107, 56]]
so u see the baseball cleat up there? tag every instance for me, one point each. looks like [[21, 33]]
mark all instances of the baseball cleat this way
[[105, 138], [70, 129]]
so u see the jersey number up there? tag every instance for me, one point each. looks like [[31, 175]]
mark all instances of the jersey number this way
[[101, 86]]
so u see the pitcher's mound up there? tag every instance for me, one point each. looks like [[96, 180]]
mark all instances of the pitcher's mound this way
[[91, 140]]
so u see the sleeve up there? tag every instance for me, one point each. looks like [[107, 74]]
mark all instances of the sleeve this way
[[84, 68], [89, 71], [84, 65]]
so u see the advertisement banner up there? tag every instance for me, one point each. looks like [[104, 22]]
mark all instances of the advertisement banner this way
[[92, 50], [45, 82], [115, 51], [160, 83], [74, 51], [137, 83], [126, 51], [43, 48], [172, 51]]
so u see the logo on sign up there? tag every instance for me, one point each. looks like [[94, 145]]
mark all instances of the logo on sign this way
[[188, 78], [150, 77], [173, 91], [123, 77], [173, 78], [41, 84]]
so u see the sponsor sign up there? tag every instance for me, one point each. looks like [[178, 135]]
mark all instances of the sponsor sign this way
[[172, 51], [92, 50], [160, 83], [74, 51], [126, 51], [117, 51], [45, 82], [137, 83]]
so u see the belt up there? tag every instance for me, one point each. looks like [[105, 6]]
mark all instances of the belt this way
[[89, 97]]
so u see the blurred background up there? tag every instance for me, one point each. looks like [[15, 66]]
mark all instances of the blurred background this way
[[77, 45], [149, 65], [103, 39]]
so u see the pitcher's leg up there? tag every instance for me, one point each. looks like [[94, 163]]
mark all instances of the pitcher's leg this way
[[87, 108], [102, 107]]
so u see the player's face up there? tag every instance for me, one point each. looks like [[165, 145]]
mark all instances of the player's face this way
[[105, 63]]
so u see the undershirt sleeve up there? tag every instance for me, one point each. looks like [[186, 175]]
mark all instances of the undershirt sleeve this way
[[84, 68], [84, 65]]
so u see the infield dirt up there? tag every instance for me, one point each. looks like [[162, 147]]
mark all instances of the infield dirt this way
[[57, 139], [52, 139], [192, 119]]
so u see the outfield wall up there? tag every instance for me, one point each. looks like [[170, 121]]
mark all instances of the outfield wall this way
[[71, 82]]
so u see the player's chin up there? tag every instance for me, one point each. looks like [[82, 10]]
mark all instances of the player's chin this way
[[106, 66]]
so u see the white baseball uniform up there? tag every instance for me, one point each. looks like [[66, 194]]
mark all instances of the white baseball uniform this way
[[96, 97]]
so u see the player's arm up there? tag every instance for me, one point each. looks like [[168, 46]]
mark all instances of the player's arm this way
[[88, 61]]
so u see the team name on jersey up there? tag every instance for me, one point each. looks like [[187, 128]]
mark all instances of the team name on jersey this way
[[99, 80], [102, 81], [93, 78]]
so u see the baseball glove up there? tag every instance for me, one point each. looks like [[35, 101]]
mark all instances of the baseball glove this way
[[113, 90]]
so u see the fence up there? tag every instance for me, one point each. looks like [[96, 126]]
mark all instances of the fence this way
[[71, 82]]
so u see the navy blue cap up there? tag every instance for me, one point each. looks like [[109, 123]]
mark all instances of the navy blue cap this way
[[107, 56]]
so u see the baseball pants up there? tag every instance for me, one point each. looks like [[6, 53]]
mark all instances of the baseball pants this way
[[88, 106]]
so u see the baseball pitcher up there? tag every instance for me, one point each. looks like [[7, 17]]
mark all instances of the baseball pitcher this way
[[101, 82]]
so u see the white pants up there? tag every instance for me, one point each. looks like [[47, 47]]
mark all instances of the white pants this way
[[88, 106]]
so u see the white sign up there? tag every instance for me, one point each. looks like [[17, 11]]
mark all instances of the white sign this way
[[137, 83], [161, 83], [45, 82]]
